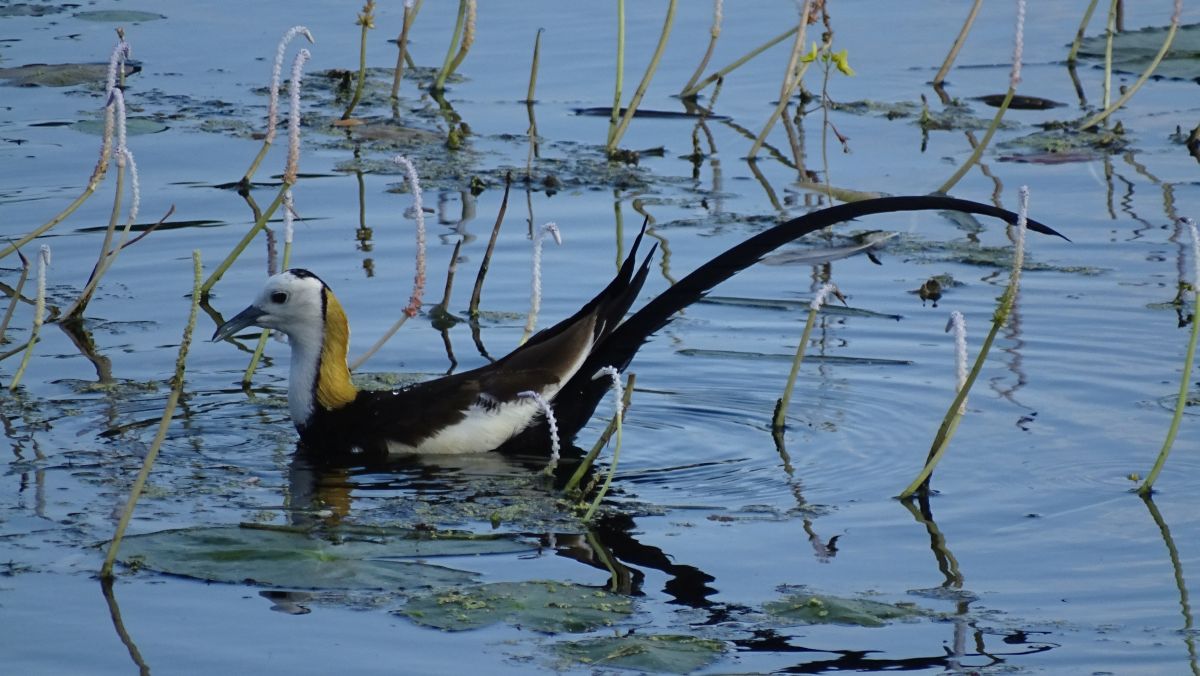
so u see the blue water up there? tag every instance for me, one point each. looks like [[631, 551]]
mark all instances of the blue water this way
[[1059, 568]]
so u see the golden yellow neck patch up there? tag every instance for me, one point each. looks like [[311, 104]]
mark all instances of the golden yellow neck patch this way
[[334, 389]]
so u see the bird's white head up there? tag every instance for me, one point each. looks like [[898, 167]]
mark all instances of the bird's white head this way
[[298, 304], [291, 302]]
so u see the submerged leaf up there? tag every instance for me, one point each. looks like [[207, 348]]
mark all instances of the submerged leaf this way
[[118, 16], [805, 608], [545, 606], [364, 559], [664, 653]]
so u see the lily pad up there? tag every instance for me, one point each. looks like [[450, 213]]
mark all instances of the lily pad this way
[[118, 16], [133, 126], [60, 74], [806, 608], [30, 9], [357, 559], [544, 606], [664, 653], [766, 356], [1134, 51]]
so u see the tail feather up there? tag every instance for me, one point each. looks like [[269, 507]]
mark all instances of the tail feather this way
[[577, 401]]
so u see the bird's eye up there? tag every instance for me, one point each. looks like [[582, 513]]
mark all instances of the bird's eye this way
[[279, 297]]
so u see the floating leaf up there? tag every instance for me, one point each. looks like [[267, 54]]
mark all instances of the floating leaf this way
[[27, 9], [805, 608], [358, 559], [118, 16], [1134, 51], [544, 606], [60, 74], [822, 358], [133, 126], [666, 653]]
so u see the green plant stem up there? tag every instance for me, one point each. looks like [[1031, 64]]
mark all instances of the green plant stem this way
[[439, 84], [958, 43], [468, 39], [612, 466], [590, 458], [38, 320], [950, 422], [477, 291], [1110, 33], [782, 406], [712, 45], [792, 78], [645, 83], [93, 183], [691, 92], [410, 15], [1129, 91], [362, 72], [983, 143], [176, 390], [533, 67], [620, 76], [1087, 18], [16, 297], [245, 241], [1180, 401]]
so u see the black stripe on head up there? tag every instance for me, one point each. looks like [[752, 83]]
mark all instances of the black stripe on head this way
[[305, 274]]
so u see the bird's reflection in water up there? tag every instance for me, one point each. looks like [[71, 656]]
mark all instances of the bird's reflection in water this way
[[510, 491]]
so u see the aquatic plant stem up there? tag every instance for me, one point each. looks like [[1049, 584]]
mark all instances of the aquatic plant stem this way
[[164, 423], [116, 63], [1181, 400], [612, 373], [414, 300], [366, 19], [439, 83], [645, 83], [713, 34], [1014, 79], [958, 43], [792, 77], [273, 101], [738, 63], [267, 213], [981, 146], [410, 15], [949, 425], [586, 464], [16, 296], [263, 335], [477, 292], [619, 80], [1072, 55], [39, 316], [1110, 31], [781, 405], [533, 66], [1132, 89]]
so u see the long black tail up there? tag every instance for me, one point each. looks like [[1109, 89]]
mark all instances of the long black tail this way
[[577, 401]]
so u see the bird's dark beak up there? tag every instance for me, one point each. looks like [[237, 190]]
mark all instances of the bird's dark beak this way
[[247, 317]]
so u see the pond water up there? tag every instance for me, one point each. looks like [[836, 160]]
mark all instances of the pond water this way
[[1031, 555]]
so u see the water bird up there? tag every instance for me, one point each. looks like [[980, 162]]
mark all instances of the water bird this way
[[488, 408]]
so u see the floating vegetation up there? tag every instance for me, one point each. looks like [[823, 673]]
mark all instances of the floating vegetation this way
[[118, 16], [659, 653], [60, 74], [545, 606], [350, 558], [811, 608], [134, 126], [1134, 51]]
